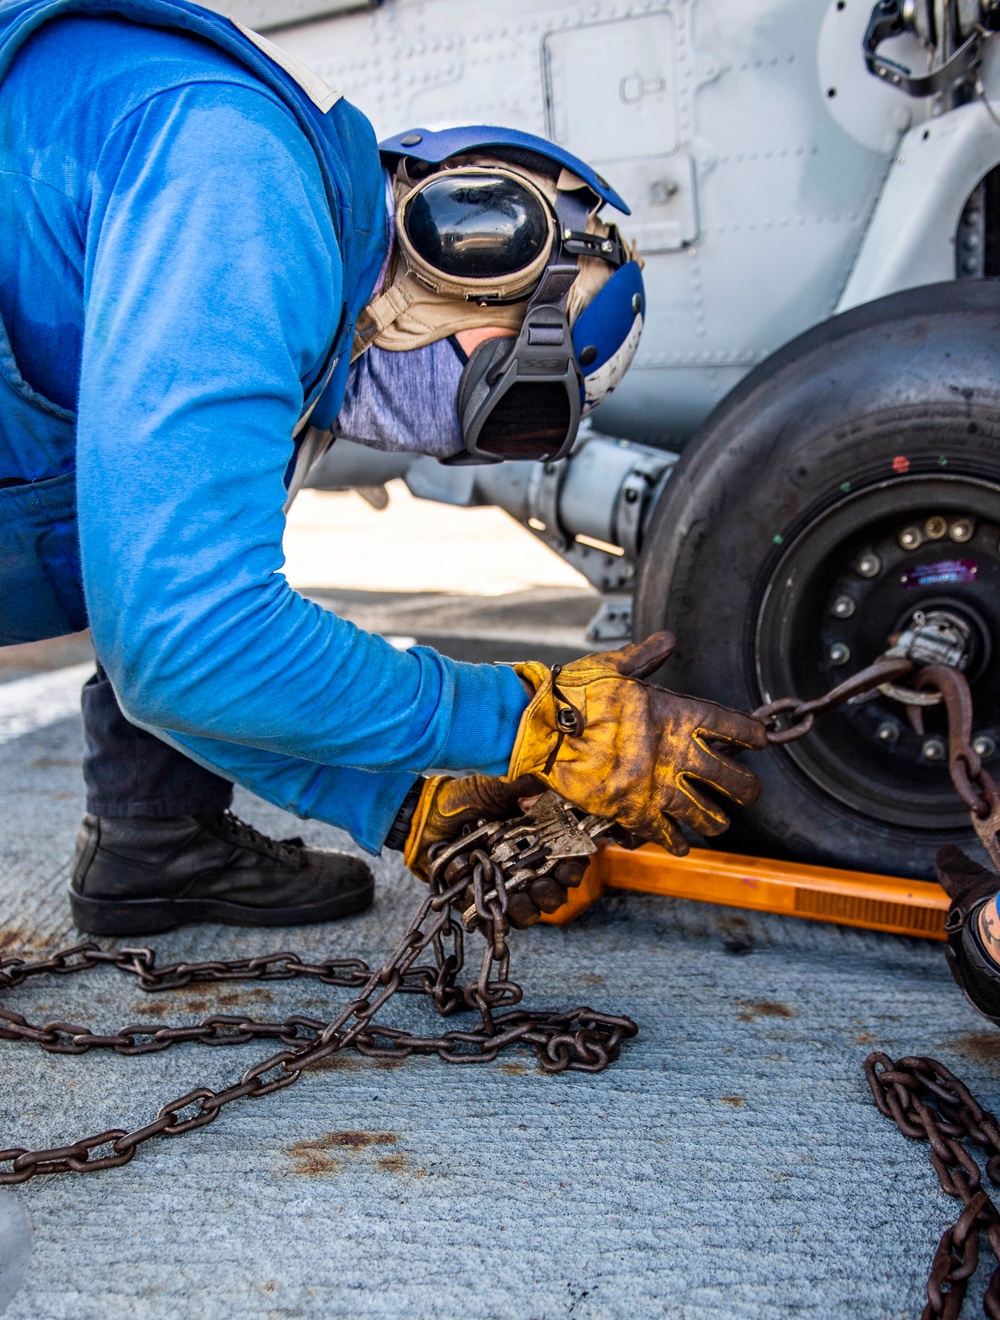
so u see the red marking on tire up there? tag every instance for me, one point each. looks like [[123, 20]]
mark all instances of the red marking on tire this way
[[900, 463]]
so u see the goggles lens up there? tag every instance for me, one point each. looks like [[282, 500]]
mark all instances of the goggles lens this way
[[529, 421], [476, 226]]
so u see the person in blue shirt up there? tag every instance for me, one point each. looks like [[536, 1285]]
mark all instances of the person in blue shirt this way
[[200, 239]]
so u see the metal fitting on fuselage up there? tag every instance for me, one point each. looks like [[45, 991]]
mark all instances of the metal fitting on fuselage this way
[[590, 507]]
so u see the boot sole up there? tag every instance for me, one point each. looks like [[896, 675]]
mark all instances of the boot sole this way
[[148, 916]]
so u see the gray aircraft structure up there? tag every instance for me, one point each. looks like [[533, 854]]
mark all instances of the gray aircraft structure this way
[[803, 460]]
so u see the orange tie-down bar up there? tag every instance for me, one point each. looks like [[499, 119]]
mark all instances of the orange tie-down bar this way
[[850, 898]]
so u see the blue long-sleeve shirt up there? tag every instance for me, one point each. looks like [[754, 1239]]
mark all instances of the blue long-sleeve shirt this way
[[170, 274]]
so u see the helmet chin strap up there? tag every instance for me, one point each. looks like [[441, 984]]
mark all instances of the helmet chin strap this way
[[564, 265]]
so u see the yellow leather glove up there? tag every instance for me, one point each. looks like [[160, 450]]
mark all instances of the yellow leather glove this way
[[629, 751], [447, 805]]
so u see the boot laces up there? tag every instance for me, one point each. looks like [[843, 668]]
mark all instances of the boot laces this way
[[245, 836]]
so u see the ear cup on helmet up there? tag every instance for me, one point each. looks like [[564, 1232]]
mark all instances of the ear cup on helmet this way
[[606, 333]]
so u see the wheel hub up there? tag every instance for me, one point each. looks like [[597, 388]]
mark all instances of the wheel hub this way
[[935, 637], [914, 563]]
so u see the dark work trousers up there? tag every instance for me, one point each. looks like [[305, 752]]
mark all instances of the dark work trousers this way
[[128, 772]]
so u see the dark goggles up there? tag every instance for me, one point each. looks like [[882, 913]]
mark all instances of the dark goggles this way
[[524, 400], [479, 234], [477, 226]]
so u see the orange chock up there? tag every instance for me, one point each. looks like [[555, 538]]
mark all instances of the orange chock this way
[[820, 893]]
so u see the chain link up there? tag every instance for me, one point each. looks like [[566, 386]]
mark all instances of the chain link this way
[[923, 1098], [476, 875], [973, 782], [789, 718], [492, 862], [920, 1095], [929, 1103]]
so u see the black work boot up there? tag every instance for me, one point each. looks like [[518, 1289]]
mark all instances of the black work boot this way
[[135, 875]]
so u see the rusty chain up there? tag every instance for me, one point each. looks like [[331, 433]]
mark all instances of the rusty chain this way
[[485, 867], [923, 1098], [477, 875], [789, 719], [929, 1103], [973, 782]]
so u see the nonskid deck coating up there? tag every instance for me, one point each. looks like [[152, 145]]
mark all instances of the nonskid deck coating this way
[[731, 1164]]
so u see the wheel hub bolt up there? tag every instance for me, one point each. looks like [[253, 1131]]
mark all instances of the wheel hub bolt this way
[[869, 565], [839, 653], [984, 746], [935, 528], [843, 607], [888, 733], [962, 529], [910, 538], [933, 749]]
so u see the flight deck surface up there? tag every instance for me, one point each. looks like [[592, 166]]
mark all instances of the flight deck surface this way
[[730, 1164]]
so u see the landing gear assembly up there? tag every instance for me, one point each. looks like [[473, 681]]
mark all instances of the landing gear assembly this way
[[847, 494]]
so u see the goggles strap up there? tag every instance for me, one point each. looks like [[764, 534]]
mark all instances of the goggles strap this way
[[377, 316], [546, 331], [564, 266], [610, 249], [383, 310]]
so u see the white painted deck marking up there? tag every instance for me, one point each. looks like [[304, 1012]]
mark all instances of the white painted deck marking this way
[[31, 703]]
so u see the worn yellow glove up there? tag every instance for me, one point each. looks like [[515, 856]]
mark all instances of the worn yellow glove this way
[[632, 752], [447, 805]]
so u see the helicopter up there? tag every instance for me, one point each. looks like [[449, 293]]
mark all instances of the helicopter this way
[[802, 463]]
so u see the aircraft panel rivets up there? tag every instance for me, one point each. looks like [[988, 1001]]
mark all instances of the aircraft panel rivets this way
[[910, 538], [888, 733], [839, 653], [843, 607], [984, 746], [869, 565]]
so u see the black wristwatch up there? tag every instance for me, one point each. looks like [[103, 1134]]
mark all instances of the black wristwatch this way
[[399, 830]]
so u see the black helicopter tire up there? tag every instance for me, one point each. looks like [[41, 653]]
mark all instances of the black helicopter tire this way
[[851, 479]]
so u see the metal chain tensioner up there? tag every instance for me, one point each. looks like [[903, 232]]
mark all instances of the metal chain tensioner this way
[[789, 719], [493, 861]]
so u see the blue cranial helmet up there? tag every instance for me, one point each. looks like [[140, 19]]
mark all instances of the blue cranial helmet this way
[[434, 148], [505, 220]]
